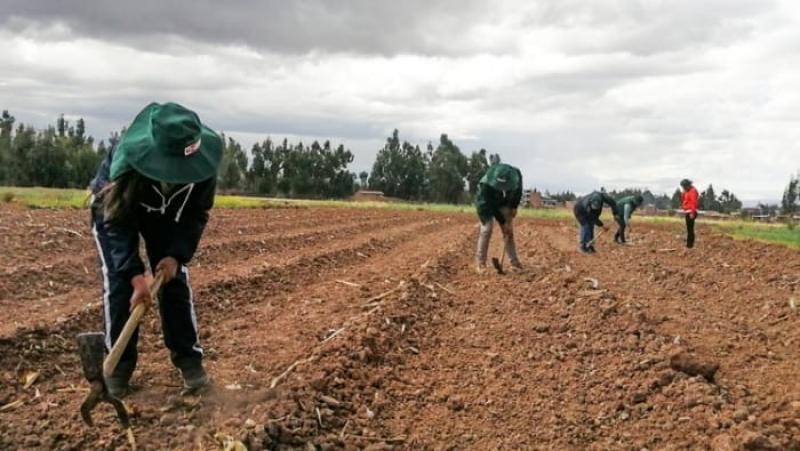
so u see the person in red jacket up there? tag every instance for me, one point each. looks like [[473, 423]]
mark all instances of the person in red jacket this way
[[690, 199]]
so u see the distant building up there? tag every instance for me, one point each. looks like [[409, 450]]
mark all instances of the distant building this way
[[536, 199], [756, 214]]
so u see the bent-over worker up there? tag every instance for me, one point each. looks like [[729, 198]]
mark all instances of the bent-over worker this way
[[498, 197], [622, 214], [587, 211], [158, 182]]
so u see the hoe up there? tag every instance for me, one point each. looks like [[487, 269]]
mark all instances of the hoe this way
[[91, 348], [596, 237], [498, 264]]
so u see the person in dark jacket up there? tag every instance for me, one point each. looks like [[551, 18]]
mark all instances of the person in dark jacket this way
[[498, 197], [690, 200], [587, 211], [157, 183], [622, 214]]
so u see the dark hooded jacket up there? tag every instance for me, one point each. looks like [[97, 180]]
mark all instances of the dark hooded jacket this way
[[589, 208], [170, 220]]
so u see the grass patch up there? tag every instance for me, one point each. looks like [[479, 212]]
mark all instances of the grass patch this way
[[551, 213], [76, 198], [46, 197], [740, 229], [769, 233], [222, 201]]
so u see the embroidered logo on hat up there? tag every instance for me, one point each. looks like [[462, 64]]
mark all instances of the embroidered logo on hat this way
[[192, 148]]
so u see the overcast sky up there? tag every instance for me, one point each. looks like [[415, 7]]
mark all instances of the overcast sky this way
[[579, 94]]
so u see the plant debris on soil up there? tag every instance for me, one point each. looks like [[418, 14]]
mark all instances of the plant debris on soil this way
[[369, 329]]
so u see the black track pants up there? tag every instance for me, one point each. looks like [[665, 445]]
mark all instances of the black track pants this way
[[175, 305], [690, 231]]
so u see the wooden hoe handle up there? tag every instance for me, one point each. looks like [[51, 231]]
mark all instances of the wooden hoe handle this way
[[112, 360], [599, 234]]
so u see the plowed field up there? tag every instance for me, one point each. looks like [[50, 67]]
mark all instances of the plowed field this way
[[353, 329]]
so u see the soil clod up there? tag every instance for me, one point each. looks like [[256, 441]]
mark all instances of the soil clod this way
[[693, 366]]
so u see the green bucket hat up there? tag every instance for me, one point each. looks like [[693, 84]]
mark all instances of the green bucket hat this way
[[168, 143], [502, 177]]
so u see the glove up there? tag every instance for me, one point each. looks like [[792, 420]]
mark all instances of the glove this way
[[141, 292]]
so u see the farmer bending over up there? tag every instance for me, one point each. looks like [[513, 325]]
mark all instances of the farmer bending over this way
[[690, 200], [622, 214], [499, 195], [157, 183], [587, 211]]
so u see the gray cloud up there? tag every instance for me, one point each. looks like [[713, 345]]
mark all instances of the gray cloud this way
[[388, 27], [359, 26], [647, 27], [578, 94]]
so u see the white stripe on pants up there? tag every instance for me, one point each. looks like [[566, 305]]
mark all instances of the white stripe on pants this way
[[106, 287], [196, 346]]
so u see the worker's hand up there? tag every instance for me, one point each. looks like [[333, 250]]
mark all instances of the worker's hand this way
[[141, 292], [693, 215], [513, 212], [168, 266]]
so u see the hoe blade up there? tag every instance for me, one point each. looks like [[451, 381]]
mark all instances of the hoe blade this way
[[497, 266]]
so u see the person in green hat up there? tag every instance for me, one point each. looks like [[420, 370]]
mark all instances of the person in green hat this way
[[622, 214], [157, 183], [498, 197]]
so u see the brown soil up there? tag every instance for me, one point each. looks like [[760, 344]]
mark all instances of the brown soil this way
[[394, 342]]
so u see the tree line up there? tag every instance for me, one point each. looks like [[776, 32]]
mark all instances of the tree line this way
[[64, 156], [441, 174], [60, 156], [725, 202], [565, 196], [286, 169], [404, 171], [661, 201], [790, 203]]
